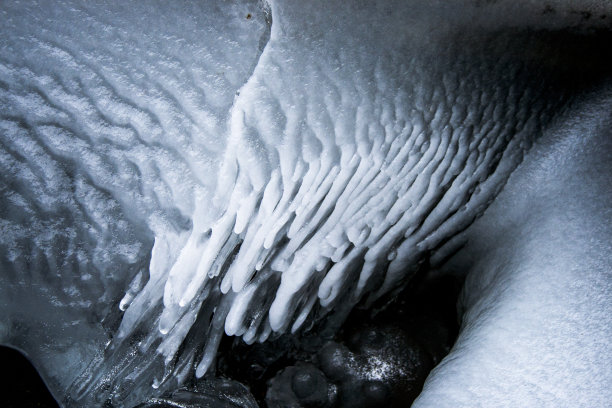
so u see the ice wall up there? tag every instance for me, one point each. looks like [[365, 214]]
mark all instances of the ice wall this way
[[112, 121]]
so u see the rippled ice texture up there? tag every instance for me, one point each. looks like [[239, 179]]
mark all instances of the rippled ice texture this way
[[172, 172], [113, 122]]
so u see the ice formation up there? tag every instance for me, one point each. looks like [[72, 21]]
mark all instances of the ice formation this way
[[552, 276], [321, 185], [187, 171]]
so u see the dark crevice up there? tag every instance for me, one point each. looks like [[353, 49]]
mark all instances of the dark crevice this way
[[22, 385], [409, 335]]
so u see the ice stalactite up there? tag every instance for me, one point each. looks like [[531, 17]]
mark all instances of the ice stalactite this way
[[339, 166]]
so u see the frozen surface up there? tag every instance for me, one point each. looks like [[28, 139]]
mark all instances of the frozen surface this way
[[171, 173], [538, 309], [112, 123]]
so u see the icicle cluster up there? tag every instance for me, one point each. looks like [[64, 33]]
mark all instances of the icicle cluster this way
[[285, 171], [342, 169]]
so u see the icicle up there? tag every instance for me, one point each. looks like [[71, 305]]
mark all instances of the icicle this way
[[134, 288], [220, 233], [245, 212], [335, 279], [215, 335], [235, 318], [366, 272], [272, 194], [250, 336], [299, 321], [291, 281], [267, 330]]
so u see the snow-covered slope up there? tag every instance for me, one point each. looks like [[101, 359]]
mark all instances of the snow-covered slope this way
[[537, 322]]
